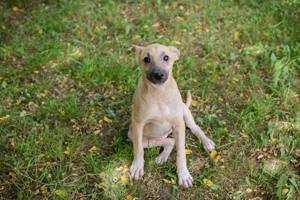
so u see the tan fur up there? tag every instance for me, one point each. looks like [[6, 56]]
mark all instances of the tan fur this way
[[157, 111]]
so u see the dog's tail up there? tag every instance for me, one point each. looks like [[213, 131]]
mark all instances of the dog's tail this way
[[188, 99]]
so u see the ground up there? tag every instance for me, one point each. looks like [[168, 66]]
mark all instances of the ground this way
[[67, 77]]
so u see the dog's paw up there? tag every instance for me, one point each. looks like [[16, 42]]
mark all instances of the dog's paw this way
[[137, 169], [209, 145], [185, 179], [161, 159]]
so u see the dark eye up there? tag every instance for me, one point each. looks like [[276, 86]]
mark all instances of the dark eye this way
[[166, 58], [146, 60]]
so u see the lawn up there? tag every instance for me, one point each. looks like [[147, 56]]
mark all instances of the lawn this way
[[67, 77]]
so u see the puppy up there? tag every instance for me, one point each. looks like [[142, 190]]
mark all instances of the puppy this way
[[157, 110]]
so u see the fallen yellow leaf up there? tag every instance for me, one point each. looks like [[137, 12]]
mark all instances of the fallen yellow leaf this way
[[156, 25], [219, 111], [173, 182], [284, 191], [129, 197], [15, 8], [166, 7], [121, 57], [187, 151], [176, 42], [44, 190], [180, 18], [23, 113], [166, 181], [218, 158], [93, 149], [274, 139], [207, 182], [61, 193], [123, 180], [121, 87], [106, 119], [194, 103], [67, 150], [236, 35], [243, 135], [125, 169], [235, 79], [213, 153], [36, 72]]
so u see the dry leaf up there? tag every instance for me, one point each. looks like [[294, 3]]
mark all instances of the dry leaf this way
[[123, 180], [107, 119], [236, 35], [213, 153], [166, 181], [176, 42], [274, 139], [207, 182], [15, 8], [35, 71], [194, 103], [129, 197], [93, 149], [187, 151], [284, 191], [61, 193], [125, 169], [179, 18], [156, 25], [67, 150], [243, 135], [235, 79], [218, 111], [23, 113], [121, 87], [260, 156], [173, 182]]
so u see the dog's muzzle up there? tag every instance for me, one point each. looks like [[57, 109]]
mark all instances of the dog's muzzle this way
[[157, 76]]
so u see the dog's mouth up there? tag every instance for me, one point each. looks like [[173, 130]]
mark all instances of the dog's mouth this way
[[157, 76]]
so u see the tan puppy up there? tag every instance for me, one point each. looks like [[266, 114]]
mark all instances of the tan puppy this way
[[157, 110]]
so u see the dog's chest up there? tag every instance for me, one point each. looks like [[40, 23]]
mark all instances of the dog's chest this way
[[166, 111]]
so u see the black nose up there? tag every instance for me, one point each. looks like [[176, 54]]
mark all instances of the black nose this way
[[158, 75]]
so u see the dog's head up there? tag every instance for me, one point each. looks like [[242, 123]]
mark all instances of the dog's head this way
[[156, 61]]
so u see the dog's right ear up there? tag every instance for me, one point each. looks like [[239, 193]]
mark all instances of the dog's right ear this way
[[138, 51]]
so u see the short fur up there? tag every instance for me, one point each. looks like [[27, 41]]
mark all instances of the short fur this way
[[157, 111]]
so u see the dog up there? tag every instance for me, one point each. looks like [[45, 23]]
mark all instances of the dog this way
[[157, 110]]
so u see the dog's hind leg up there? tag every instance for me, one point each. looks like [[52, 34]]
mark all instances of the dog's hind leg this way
[[196, 130]]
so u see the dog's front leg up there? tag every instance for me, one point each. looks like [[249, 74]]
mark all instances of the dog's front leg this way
[[137, 166], [184, 177]]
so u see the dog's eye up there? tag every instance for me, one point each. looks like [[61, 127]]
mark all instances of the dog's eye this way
[[166, 58], [146, 60]]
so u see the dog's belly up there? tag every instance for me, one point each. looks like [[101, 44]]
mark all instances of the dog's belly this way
[[157, 129]]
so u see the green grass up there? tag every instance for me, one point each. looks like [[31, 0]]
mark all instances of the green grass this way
[[66, 64]]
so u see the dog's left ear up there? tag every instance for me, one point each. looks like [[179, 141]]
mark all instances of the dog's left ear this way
[[138, 50], [175, 52]]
